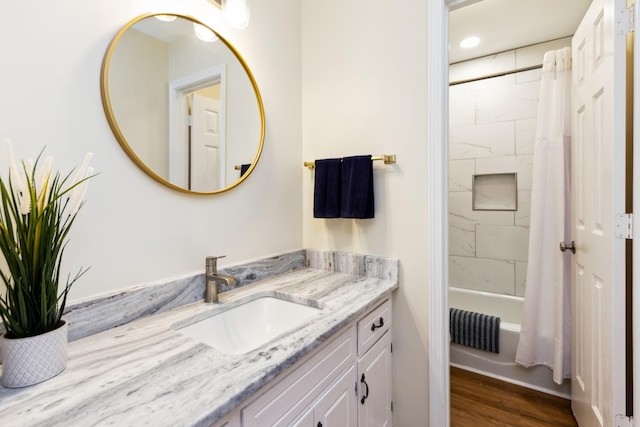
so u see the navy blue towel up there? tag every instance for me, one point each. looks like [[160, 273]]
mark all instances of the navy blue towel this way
[[357, 187], [327, 185], [244, 168], [475, 330]]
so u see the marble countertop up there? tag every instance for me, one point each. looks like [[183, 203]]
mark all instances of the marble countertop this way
[[145, 373]]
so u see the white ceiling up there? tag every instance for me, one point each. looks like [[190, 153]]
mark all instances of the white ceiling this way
[[508, 24]]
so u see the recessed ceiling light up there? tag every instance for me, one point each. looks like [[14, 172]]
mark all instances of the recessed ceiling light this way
[[470, 42]]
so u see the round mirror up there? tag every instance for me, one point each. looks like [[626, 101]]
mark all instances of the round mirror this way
[[182, 103]]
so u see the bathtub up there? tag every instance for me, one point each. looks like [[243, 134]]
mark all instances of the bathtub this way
[[501, 366]]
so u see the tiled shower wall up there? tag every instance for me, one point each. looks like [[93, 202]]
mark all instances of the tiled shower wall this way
[[492, 125]]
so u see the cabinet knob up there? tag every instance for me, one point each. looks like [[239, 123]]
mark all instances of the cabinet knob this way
[[571, 246]]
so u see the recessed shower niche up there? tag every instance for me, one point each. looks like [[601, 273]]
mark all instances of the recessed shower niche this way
[[495, 192]]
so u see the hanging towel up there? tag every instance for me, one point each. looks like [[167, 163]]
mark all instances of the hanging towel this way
[[326, 193], [357, 187], [244, 168], [475, 330]]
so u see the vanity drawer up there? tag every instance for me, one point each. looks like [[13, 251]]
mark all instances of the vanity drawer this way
[[373, 326]]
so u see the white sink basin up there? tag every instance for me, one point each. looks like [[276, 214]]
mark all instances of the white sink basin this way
[[248, 326]]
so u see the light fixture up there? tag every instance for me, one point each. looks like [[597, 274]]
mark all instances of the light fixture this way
[[204, 33], [165, 18], [237, 13], [469, 42]]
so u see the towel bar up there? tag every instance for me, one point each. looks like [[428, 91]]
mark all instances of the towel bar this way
[[387, 158]]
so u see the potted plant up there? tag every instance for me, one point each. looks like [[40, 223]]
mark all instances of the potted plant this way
[[37, 210]]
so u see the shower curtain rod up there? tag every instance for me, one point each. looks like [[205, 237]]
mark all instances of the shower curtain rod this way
[[503, 73]]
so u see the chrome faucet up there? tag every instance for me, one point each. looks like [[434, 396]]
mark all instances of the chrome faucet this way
[[213, 279]]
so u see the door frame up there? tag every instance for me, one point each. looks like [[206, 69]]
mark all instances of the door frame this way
[[437, 222], [636, 220], [437, 208], [179, 89], [438, 204]]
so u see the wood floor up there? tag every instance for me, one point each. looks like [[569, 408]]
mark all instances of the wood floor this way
[[479, 401]]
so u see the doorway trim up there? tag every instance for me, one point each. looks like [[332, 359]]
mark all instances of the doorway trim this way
[[438, 205], [179, 89], [437, 208]]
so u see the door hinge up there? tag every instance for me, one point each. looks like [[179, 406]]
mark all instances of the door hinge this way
[[356, 389], [624, 421], [391, 347], [190, 120], [625, 21], [624, 226], [392, 406]]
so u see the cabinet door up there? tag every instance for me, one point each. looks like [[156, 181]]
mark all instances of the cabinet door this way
[[337, 406], [289, 399], [230, 420], [306, 420], [374, 382]]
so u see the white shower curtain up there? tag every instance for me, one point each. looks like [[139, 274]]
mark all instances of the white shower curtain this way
[[545, 337]]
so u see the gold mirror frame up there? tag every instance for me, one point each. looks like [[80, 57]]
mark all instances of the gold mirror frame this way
[[106, 103]]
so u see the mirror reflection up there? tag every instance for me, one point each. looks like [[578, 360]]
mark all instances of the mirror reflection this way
[[182, 103]]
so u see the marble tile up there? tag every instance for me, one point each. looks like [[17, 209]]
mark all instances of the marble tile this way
[[100, 314], [521, 278], [529, 76], [482, 274], [461, 213], [359, 265], [254, 271], [490, 83], [495, 192], [525, 136], [502, 242], [522, 165], [462, 240], [460, 174], [534, 54], [482, 66], [507, 103], [523, 214], [462, 107], [488, 140]]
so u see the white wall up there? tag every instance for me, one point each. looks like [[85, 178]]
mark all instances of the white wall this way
[[364, 92], [132, 230], [139, 97]]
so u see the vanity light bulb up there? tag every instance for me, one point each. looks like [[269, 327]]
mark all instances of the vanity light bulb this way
[[204, 33], [237, 13], [165, 18]]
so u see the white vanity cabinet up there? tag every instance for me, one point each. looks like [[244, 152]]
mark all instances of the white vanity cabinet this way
[[346, 383]]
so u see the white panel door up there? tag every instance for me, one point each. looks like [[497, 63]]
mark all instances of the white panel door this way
[[598, 182], [337, 406], [207, 151], [374, 376]]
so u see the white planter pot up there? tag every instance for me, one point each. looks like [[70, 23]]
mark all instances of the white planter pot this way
[[28, 361]]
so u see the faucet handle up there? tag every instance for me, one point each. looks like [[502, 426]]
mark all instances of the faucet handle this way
[[212, 264]]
